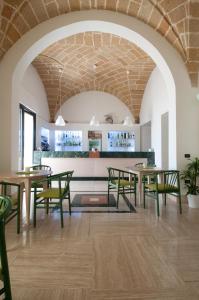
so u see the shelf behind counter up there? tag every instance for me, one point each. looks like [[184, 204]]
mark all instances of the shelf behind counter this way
[[86, 166]]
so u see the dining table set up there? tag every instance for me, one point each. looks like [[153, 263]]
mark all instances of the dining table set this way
[[141, 171], [25, 178]]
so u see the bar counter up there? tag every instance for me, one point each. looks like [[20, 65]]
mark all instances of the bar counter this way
[[87, 165]]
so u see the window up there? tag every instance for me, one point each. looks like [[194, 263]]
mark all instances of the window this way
[[27, 137]]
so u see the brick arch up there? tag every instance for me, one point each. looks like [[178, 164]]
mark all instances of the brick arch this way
[[176, 20], [94, 61]]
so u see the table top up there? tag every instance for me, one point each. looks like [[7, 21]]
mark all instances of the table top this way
[[24, 174], [144, 170]]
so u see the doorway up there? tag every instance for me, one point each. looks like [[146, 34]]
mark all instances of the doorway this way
[[27, 136], [165, 140], [145, 136]]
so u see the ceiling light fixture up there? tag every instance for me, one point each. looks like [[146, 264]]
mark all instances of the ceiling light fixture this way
[[60, 121], [127, 121], [94, 122]]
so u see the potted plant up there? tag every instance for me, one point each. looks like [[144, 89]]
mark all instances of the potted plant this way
[[190, 176]]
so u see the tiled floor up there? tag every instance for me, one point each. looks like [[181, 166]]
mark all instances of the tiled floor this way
[[107, 256]]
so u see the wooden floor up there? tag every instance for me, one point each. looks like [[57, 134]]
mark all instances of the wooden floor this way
[[107, 256]]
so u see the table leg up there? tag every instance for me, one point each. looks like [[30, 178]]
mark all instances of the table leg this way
[[28, 195], [140, 188]]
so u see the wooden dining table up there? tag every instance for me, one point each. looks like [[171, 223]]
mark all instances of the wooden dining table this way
[[140, 172], [25, 179]]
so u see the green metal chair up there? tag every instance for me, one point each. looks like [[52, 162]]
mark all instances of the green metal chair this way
[[5, 207], [170, 184], [122, 182], [52, 197], [13, 190], [40, 168]]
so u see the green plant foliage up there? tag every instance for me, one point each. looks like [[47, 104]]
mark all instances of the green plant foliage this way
[[190, 176]]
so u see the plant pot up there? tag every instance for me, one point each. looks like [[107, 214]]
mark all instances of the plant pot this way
[[193, 201]]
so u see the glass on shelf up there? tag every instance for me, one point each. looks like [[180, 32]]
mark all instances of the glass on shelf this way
[[68, 140], [121, 141]]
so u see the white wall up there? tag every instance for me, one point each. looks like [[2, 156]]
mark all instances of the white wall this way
[[31, 93], [80, 108], [155, 103]]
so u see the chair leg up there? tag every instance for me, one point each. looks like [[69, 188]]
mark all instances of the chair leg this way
[[69, 204], [118, 195], [34, 213], [158, 209], [61, 213], [47, 206], [165, 199], [18, 217], [108, 195], [180, 203], [135, 197], [144, 198]]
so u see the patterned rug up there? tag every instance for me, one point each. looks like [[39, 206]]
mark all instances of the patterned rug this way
[[99, 203]]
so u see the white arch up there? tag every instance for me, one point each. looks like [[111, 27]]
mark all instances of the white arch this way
[[33, 42]]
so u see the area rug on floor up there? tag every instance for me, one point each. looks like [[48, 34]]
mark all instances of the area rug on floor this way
[[99, 203]]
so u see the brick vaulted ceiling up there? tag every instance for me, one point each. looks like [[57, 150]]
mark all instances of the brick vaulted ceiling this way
[[176, 20], [94, 61]]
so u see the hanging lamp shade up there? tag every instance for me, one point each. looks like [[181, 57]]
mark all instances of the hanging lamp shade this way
[[60, 121], [127, 121], [94, 122]]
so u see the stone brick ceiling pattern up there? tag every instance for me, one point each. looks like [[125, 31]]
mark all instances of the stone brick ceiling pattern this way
[[176, 20], [94, 61]]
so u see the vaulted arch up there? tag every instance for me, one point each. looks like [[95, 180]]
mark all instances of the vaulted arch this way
[[177, 21]]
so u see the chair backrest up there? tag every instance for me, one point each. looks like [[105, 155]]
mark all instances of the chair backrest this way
[[114, 173], [5, 207], [141, 164], [170, 178], [111, 174], [63, 179], [41, 167], [10, 189]]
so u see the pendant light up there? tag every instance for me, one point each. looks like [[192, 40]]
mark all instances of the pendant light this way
[[94, 122], [127, 121], [60, 121]]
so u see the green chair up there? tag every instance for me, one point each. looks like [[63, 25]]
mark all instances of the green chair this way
[[169, 184], [52, 197], [40, 168], [13, 190], [122, 182], [5, 207]]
